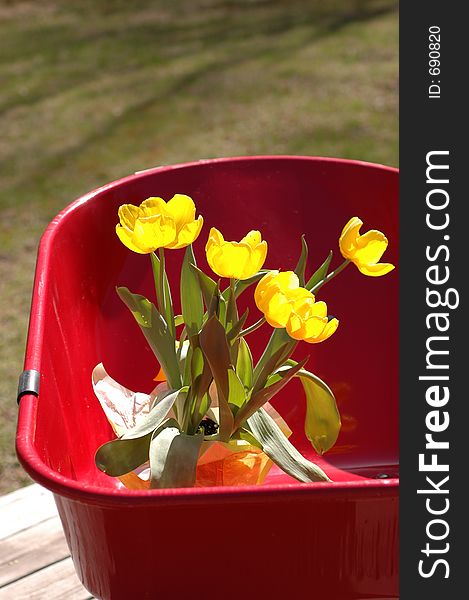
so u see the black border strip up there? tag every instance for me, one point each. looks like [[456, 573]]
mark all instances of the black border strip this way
[[433, 271]]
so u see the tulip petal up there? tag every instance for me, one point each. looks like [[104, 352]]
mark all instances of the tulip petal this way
[[376, 270], [275, 294], [256, 259], [364, 250], [326, 332], [188, 234], [252, 239], [286, 304], [157, 224], [319, 309], [273, 283], [370, 248], [182, 210], [331, 327], [153, 206], [300, 313], [287, 280], [125, 237], [239, 260], [278, 309], [215, 237], [309, 322], [128, 213], [230, 260], [262, 286], [294, 326], [301, 298], [154, 233], [348, 237], [264, 295], [314, 327]]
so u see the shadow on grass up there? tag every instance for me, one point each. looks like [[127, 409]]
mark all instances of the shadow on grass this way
[[240, 22], [216, 37]]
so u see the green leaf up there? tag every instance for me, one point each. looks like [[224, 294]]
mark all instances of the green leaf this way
[[221, 310], [281, 451], [245, 435], [181, 347], [186, 366], [197, 363], [243, 284], [119, 457], [206, 283], [320, 274], [178, 320], [322, 423], [201, 380], [191, 295], [244, 365], [231, 309], [213, 307], [217, 305], [166, 303], [173, 458], [237, 393], [279, 348], [235, 330], [259, 398], [301, 266], [200, 410], [216, 351], [156, 415], [156, 332]]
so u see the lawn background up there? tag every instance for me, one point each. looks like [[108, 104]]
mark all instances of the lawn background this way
[[93, 90]]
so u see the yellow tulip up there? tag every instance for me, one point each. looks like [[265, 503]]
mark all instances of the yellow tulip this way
[[286, 304], [159, 224], [364, 250], [309, 321], [238, 260], [275, 294]]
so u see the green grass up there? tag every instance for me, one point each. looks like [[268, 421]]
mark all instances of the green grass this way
[[93, 90]]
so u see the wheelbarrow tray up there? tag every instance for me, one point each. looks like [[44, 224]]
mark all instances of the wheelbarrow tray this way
[[284, 538]]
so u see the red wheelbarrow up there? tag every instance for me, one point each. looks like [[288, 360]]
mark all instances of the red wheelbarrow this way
[[282, 539]]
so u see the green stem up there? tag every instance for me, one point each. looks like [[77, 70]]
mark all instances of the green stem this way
[[330, 276], [253, 327], [186, 415], [182, 337], [231, 308], [161, 280], [232, 301], [164, 303]]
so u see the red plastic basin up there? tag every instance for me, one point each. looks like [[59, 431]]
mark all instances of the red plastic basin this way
[[282, 539]]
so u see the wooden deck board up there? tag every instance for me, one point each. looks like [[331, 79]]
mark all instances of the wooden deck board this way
[[54, 582], [24, 508], [35, 563]]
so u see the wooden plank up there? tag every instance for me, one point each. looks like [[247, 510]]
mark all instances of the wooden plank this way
[[34, 559], [55, 582], [25, 508], [32, 549]]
